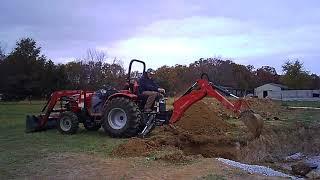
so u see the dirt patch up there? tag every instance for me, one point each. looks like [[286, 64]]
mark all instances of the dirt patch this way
[[173, 155], [280, 142], [212, 131], [85, 166], [135, 147], [200, 131]]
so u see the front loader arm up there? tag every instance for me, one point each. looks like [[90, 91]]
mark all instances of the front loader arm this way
[[55, 97]]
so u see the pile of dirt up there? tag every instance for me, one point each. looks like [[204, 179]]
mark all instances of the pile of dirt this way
[[200, 131], [267, 108], [173, 155], [200, 119], [135, 147], [210, 130]]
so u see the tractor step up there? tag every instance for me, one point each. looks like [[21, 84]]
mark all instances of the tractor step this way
[[150, 124]]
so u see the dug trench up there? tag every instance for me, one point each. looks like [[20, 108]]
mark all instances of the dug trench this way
[[208, 130]]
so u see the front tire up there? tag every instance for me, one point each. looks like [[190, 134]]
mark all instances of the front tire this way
[[68, 123], [121, 118]]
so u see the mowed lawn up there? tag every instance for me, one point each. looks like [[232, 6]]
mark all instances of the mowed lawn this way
[[17, 148], [315, 104]]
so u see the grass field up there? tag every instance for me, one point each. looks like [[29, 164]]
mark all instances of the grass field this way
[[18, 148], [302, 103]]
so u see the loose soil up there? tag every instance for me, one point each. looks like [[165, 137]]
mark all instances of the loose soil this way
[[200, 131], [209, 130], [85, 166]]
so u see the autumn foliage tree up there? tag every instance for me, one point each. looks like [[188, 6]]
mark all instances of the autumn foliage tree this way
[[295, 76], [27, 72], [266, 74]]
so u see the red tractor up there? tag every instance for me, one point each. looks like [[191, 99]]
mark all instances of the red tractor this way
[[120, 113]]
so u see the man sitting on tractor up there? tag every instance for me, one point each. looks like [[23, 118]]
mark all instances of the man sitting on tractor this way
[[148, 87]]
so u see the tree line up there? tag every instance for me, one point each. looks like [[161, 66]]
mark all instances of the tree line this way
[[230, 74], [26, 72]]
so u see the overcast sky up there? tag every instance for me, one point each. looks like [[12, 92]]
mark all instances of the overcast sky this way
[[168, 32]]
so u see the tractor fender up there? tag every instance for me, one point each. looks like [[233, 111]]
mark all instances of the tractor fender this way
[[124, 93]]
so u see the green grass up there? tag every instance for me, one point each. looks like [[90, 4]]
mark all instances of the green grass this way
[[301, 103], [306, 117], [17, 148]]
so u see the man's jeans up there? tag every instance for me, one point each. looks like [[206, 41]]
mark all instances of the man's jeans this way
[[152, 95]]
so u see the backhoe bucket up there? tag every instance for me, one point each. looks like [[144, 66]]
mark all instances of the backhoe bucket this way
[[253, 121], [33, 124]]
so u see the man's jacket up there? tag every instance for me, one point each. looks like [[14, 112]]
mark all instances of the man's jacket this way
[[146, 84]]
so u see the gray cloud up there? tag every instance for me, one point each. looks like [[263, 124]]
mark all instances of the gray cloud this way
[[64, 27], [68, 28]]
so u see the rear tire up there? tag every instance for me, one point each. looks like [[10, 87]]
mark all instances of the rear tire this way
[[121, 118], [68, 123]]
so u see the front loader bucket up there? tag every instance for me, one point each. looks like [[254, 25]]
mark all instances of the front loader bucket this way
[[253, 121], [33, 124]]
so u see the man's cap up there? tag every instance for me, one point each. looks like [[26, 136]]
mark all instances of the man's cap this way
[[150, 71]]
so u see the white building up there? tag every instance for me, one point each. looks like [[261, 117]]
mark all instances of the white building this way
[[269, 90], [281, 92]]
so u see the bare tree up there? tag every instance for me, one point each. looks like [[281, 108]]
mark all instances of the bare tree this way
[[2, 51], [95, 55], [118, 62]]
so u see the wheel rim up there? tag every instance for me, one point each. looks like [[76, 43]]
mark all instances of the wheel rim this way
[[65, 124], [117, 118]]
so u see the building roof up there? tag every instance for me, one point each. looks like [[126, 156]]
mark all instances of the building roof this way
[[279, 85], [283, 87]]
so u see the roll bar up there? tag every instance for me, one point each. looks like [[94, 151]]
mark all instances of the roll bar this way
[[130, 65]]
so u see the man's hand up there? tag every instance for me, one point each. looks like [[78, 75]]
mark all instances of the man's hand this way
[[161, 90]]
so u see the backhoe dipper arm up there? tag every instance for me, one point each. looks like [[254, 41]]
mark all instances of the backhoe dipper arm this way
[[192, 96]]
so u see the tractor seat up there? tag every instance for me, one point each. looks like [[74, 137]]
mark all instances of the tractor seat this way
[[132, 86]]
